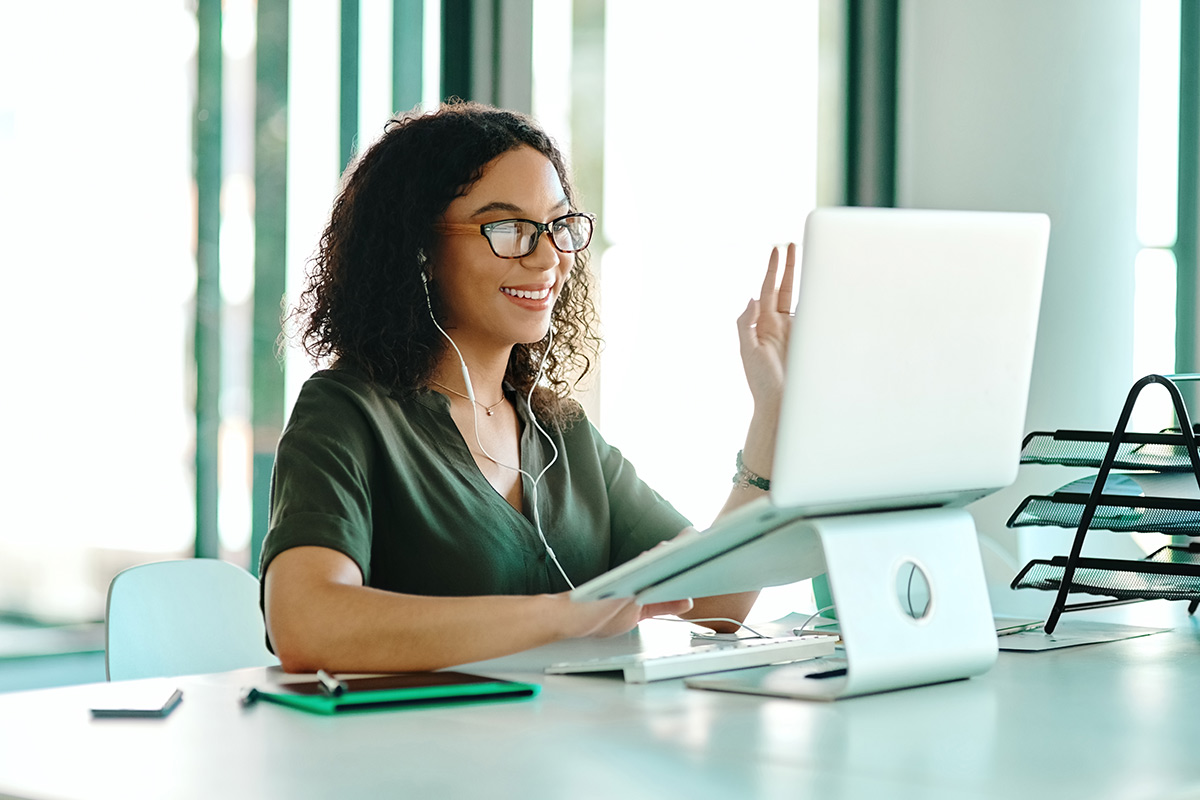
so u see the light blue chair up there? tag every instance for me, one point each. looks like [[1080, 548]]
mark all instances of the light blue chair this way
[[183, 617]]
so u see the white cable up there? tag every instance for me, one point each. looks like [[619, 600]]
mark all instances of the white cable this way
[[537, 519], [714, 619], [800, 630]]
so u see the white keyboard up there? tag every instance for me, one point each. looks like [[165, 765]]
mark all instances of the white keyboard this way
[[702, 659]]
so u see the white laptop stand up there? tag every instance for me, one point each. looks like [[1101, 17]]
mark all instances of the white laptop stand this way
[[869, 559]]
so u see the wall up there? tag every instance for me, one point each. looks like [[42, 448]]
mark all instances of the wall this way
[[1026, 105]]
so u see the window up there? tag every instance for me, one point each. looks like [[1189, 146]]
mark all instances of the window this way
[[1157, 204], [708, 163], [98, 215], [689, 118], [97, 225]]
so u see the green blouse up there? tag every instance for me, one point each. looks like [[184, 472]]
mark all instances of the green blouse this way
[[390, 483]]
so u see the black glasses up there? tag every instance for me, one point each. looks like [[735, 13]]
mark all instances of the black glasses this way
[[517, 238]]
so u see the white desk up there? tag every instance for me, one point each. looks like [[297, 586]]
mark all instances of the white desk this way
[[1117, 720]]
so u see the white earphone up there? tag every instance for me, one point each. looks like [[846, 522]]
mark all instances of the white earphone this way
[[537, 522]]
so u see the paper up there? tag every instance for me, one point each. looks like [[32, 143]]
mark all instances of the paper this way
[[1168, 484], [1071, 633]]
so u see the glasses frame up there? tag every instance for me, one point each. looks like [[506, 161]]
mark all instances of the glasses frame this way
[[455, 228]]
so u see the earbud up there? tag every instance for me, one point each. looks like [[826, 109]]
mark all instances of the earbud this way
[[429, 302]]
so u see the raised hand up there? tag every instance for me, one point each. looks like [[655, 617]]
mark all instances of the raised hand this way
[[763, 330]]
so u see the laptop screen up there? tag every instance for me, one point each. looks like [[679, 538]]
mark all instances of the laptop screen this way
[[908, 376], [910, 357]]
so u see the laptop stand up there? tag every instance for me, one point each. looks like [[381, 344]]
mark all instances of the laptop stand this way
[[891, 642]]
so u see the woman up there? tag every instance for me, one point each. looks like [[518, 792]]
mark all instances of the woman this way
[[436, 491]]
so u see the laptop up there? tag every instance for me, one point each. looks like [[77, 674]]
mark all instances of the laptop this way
[[908, 377]]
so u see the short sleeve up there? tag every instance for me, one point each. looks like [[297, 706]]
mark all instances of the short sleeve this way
[[320, 489]]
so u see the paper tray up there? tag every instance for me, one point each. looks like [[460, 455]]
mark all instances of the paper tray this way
[[1117, 578], [1162, 452], [1114, 513]]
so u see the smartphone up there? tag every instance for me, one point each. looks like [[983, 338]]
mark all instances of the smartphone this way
[[136, 700]]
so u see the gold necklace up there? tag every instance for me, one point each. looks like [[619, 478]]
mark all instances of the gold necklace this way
[[488, 409]]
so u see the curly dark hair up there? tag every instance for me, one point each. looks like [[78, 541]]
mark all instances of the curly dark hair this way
[[363, 305]]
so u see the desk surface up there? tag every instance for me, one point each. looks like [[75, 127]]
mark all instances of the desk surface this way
[[1115, 720]]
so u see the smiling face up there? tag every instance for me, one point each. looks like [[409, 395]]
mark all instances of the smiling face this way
[[489, 301]]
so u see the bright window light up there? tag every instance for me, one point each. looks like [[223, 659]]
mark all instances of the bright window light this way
[[1157, 203], [1158, 123], [375, 71], [1153, 333], [431, 53], [313, 168], [709, 162], [95, 160]]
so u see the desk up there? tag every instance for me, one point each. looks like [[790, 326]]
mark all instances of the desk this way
[[1116, 720]]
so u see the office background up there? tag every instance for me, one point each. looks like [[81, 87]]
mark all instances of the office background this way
[[166, 167]]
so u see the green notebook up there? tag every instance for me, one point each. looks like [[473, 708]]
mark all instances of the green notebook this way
[[398, 690]]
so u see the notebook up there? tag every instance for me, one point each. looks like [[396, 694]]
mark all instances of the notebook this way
[[908, 377], [391, 691]]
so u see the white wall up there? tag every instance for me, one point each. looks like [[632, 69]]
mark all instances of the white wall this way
[[1029, 105]]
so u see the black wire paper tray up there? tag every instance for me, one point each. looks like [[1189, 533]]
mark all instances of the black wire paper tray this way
[[1161, 452], [1124, 513], [1117, 578]]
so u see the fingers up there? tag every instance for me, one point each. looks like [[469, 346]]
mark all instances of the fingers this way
[[674, 608], [784, 303], [767, 292], [779, 298], [747, 317], [747, 337], [609, 617], [766, 321]]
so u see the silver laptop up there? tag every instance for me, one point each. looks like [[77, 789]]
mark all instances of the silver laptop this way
[[908, 377]]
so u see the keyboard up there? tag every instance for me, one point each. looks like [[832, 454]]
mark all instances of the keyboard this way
[[702, 659]]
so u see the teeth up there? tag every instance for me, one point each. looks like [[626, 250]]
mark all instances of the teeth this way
[[541, 294]]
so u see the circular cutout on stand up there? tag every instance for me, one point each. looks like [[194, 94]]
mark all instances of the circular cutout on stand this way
[[913, 591]]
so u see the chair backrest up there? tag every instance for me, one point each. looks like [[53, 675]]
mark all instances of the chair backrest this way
[[182, 618]]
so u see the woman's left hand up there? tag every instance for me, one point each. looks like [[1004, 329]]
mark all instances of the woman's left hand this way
[[763, 331]]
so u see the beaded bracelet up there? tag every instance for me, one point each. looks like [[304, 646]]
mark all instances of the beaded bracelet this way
[[745, 477]]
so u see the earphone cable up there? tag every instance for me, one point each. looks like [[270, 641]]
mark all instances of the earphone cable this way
[[713, 619], [537, 519], [802, 629]]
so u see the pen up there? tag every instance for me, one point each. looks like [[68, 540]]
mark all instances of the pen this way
[[329, 684]]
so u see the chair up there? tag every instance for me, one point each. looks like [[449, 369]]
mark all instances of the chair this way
[[182, 618]]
